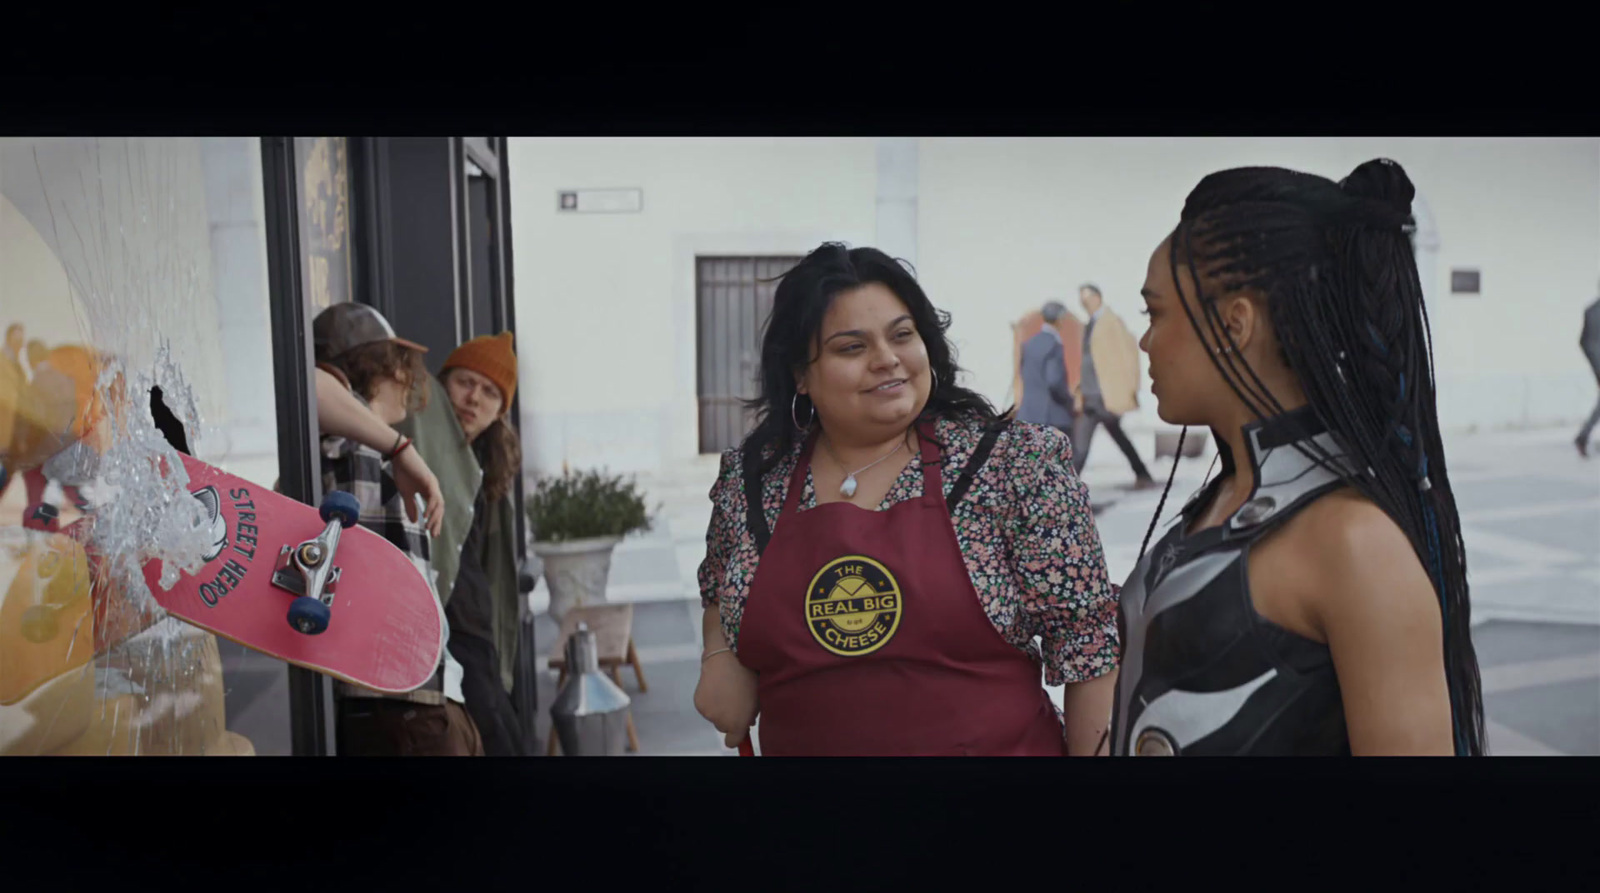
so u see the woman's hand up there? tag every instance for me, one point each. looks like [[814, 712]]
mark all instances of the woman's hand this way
[[726, 695], [413, 476]]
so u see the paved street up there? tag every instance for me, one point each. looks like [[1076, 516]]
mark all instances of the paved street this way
[[1531, 517]]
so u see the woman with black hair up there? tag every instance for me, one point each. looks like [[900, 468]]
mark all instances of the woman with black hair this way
[[1313, 597], [884, 550]]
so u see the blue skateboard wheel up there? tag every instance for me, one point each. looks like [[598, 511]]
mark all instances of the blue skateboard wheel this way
[[308, 616], [341, 505]]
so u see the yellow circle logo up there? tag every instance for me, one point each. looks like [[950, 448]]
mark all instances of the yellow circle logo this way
[[853, 606]]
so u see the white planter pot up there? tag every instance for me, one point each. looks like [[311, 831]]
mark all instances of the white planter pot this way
[[575, 572]]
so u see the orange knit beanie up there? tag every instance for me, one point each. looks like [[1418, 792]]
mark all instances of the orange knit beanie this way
[[492, 356]]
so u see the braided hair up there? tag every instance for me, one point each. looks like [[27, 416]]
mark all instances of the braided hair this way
[[1334, 265]]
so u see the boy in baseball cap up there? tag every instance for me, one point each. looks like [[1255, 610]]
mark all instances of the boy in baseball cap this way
[[344, 327], [356, 345]]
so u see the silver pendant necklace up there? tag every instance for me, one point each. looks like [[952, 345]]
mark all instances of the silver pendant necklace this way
[[848, 488]]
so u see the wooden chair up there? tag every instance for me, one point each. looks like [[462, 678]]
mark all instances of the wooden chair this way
[[612, 626]]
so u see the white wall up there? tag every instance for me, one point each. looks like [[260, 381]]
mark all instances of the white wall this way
[[236, 215], [997, 226], [123, 243], [606, 303], [1005, 224], [127, 220], [33, 284]]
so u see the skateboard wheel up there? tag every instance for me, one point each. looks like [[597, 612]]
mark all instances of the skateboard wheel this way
[[308, 615], [39, 624], [341, 505]]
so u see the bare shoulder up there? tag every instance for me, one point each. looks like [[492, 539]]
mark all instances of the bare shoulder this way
[[1371, 596], [1351, 530], [1363, 566]]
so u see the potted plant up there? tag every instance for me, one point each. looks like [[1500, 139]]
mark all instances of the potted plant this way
[[577, 519]]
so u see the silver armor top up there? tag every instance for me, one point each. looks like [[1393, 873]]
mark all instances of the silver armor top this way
[[1203, 673]]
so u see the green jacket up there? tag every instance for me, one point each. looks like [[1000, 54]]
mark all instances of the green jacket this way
[[442, 443]]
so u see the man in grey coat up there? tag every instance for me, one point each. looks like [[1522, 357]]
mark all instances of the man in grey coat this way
[[1046, 399], [1590, 342]]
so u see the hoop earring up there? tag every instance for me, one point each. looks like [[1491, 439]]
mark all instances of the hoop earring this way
[[935, 381], [794, 412]]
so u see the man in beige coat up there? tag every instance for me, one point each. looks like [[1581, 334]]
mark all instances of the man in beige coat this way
[[1109, 384]]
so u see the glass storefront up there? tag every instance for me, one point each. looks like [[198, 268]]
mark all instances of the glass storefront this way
[[127, 267], [154, 296]]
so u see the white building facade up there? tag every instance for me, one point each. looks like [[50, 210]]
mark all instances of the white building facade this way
[[611, 323]]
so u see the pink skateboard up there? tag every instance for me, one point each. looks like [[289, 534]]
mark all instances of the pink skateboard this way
[[304, 585]]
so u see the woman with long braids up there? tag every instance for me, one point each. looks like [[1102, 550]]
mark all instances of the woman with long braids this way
[[1312, 598], [884, 551]]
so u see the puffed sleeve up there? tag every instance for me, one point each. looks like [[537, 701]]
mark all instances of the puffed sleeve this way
[[726, 527], [1058, 565]]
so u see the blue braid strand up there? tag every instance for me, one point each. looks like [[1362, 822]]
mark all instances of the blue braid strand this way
[[1377, 338], [1436, 568], [1431, 524]]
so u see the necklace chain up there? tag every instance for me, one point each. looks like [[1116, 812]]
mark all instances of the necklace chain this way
[[848, 487]]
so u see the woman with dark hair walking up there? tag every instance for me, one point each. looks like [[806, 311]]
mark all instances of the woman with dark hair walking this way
[[884, 550], [1313, 597]]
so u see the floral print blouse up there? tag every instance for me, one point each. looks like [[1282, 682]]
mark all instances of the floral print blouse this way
[[1024, 527]]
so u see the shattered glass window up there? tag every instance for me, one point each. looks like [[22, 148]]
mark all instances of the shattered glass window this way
[[133, 293]]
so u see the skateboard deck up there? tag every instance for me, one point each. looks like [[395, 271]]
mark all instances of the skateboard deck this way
[[385, 627]]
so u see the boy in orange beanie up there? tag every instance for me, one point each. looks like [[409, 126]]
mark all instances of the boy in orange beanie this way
[[485, 360], [480, 380]]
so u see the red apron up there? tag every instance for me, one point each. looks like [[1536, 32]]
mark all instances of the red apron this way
[[870, 640]]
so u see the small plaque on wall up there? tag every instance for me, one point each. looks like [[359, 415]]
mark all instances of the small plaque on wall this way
[[1464, 282], [601, 201]]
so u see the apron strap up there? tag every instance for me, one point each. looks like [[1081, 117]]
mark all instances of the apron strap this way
[[980, 455], [755, 514]]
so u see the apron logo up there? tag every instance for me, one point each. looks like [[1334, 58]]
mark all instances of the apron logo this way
[[853, 606]]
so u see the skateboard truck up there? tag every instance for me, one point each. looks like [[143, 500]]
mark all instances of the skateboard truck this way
[[307, 569]]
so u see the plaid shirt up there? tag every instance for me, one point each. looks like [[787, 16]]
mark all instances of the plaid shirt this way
[[363, 472]]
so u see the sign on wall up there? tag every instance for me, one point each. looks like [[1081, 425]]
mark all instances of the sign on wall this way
[[600, 201], [1464, 282]]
